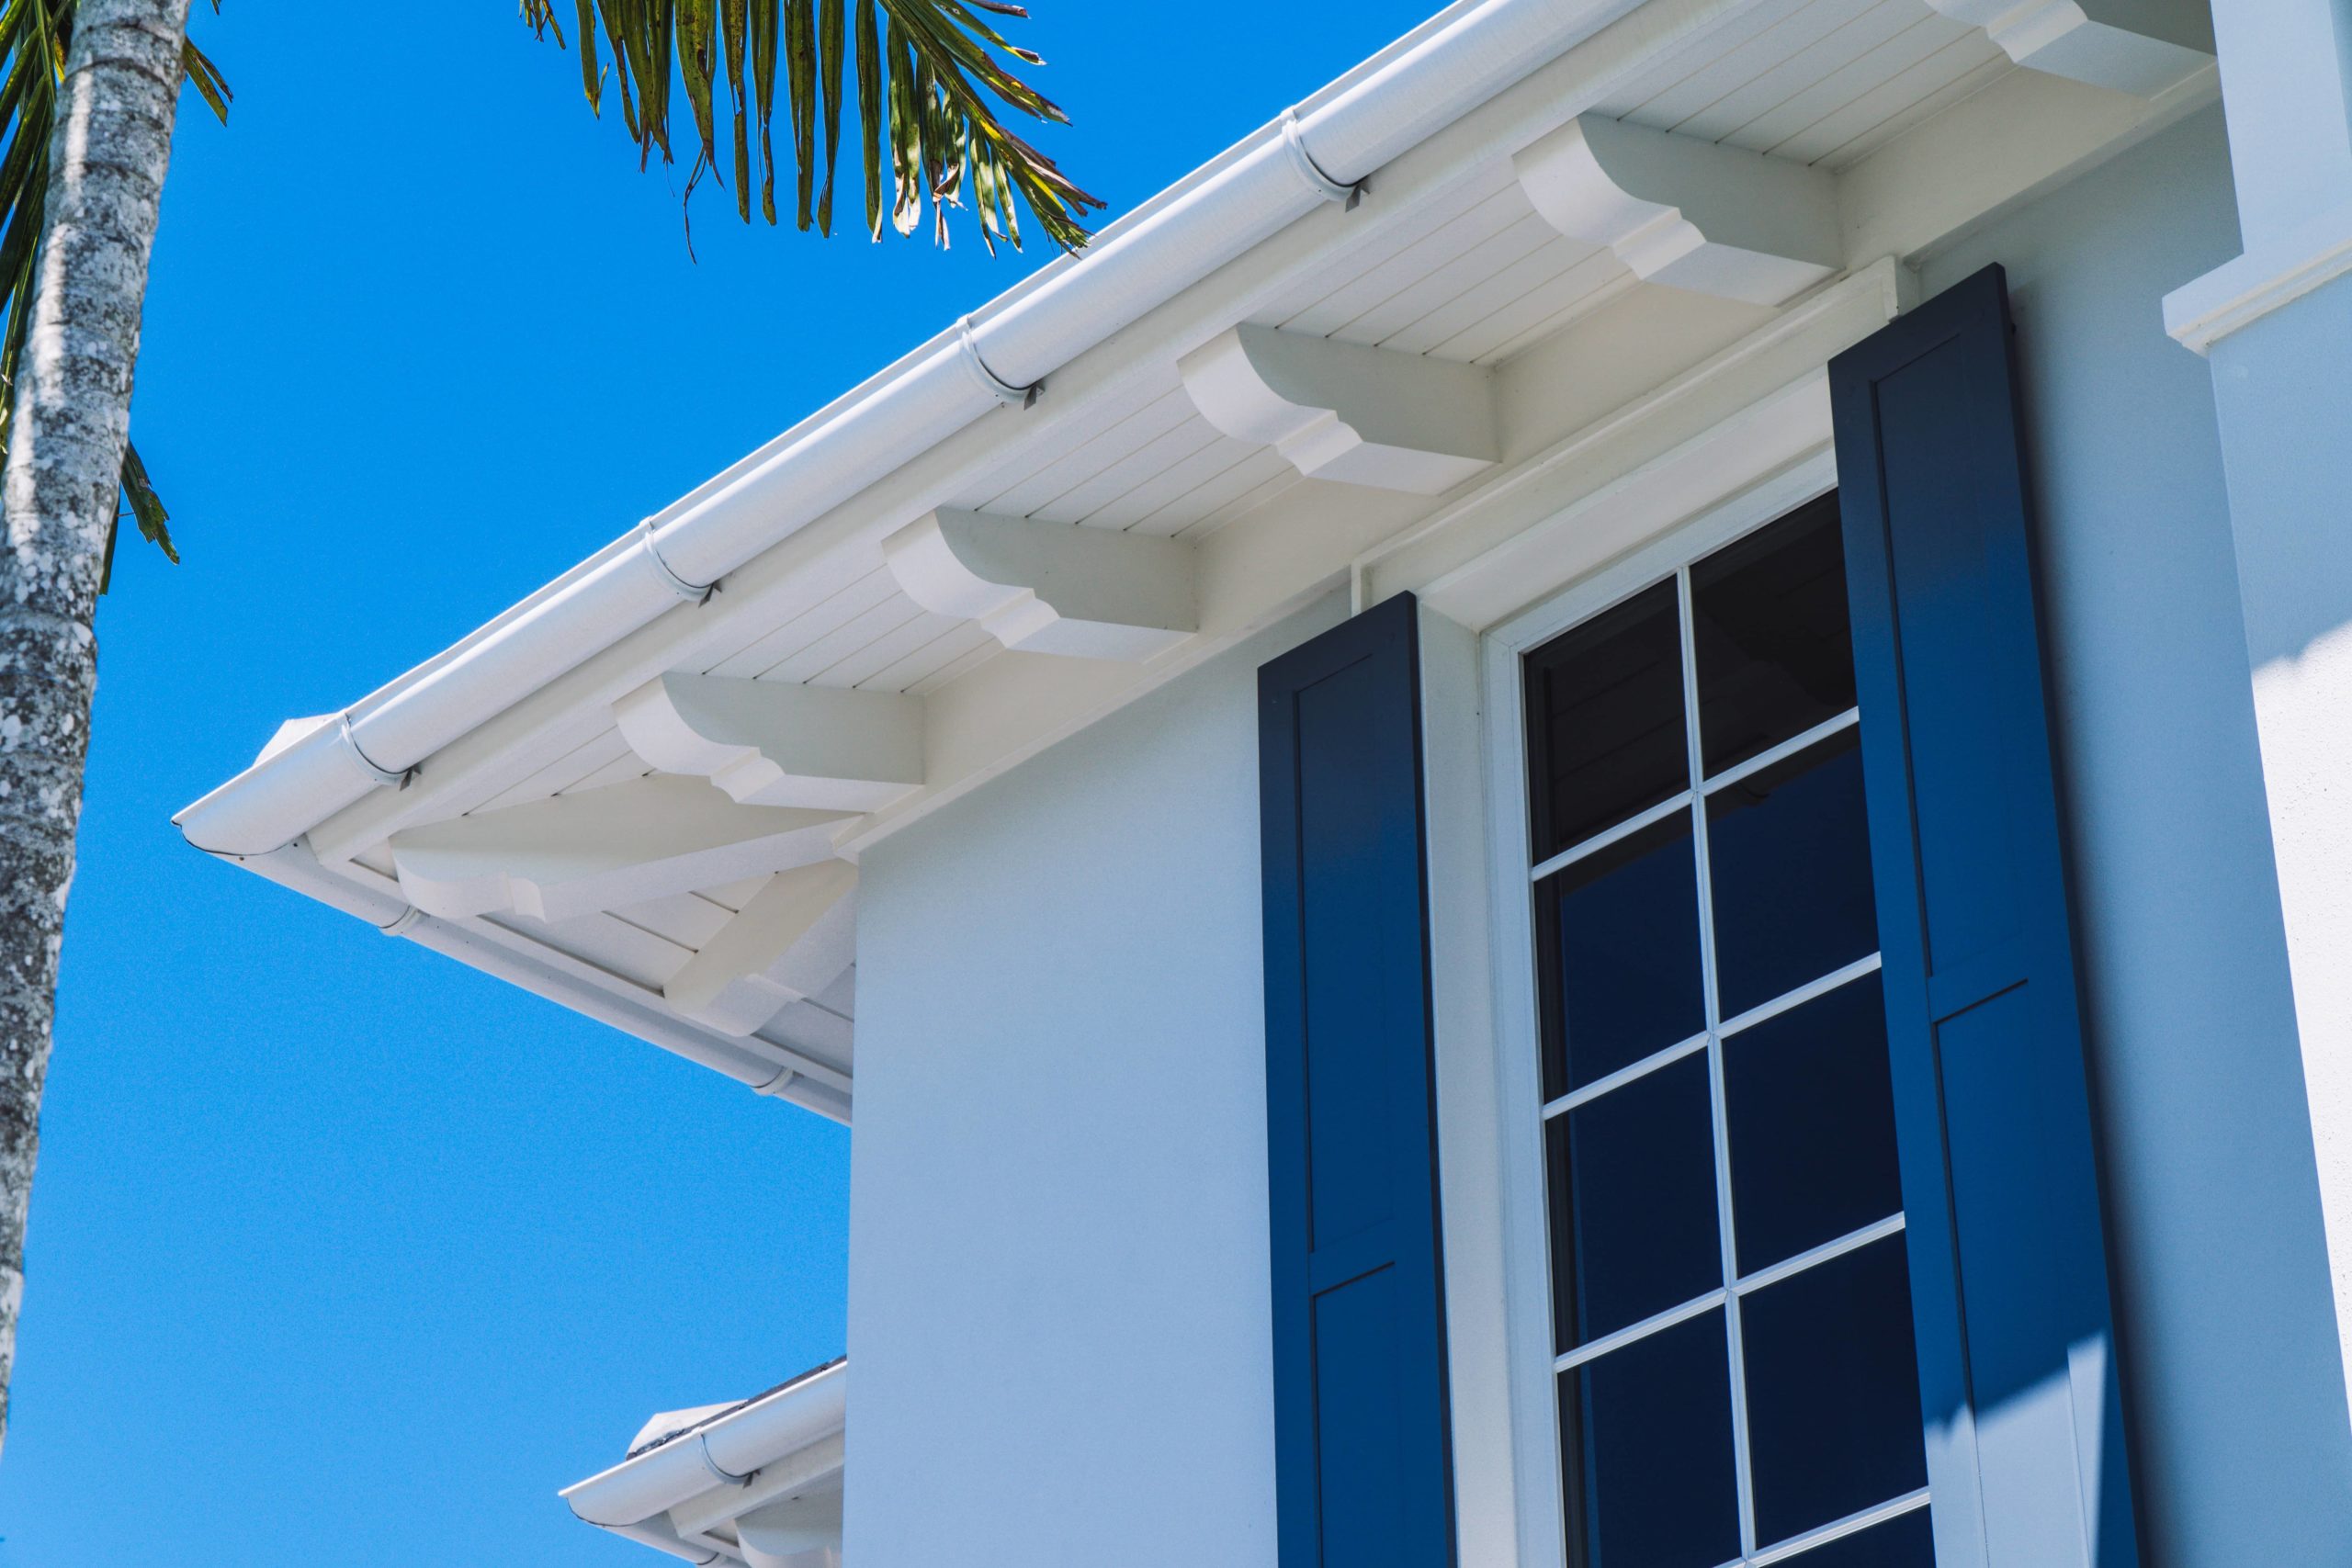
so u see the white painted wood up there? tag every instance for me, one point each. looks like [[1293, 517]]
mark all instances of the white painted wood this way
[[1686, 212], [1082, 461], [1923, 39], [1857, 129], [796, 937], [1767, 89], [857, 594], [1467, 217], [766, 743], [1389, 324], [604, 849], [960, 639], [1048, 587], [1345, 411], [2140, 46]]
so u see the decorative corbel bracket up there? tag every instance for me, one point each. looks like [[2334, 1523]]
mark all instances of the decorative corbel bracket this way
[[1049, 587], [2139, 47], [1685, 212], [1346, 411], [766, 743], [795, 937], [603, 849]]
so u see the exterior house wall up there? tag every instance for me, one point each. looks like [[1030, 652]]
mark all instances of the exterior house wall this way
[[1058, 1277], [2232, 1385], [1059, 1256]]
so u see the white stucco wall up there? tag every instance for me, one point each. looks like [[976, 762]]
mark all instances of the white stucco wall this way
[[2243, 1449], [1057, 1214], [1058, 1272]]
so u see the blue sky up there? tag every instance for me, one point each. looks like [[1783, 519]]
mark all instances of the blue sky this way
[[340, 1252]]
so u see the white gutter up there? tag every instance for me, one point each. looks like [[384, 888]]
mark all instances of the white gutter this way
[[730, 1451], [1451, 65]]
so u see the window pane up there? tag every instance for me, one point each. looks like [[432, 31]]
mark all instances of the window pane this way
[[1619, 950], [1604, 718], [1633, 1203], [1833, 1391], [1906, 1541], [1790, 856], [1769, 626], [1812, 1124], [1645, 1443]]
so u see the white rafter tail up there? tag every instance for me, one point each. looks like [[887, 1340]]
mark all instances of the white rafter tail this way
[[604, 849], [1050, 587], [1346, 411], [766, 743], [2141, 47], [1685, 212], [795, 937]]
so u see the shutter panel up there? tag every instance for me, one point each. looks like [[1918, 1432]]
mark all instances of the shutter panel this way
[[2009, 1272], [1359, 1418]]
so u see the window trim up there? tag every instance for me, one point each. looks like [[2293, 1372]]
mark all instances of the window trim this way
[[1518, 1105]]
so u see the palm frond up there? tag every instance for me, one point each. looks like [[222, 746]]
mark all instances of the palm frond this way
[[32, 64], [934, 82]]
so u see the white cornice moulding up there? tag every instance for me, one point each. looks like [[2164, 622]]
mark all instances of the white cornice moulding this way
[[1049, 587], [1345, 411], [2244, 289], [794, 938], [767, 743], [603, 849], [2140, 46], [1685, 212]]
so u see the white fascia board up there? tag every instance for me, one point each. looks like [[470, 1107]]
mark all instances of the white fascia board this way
[[770, 743], [759, 1438]]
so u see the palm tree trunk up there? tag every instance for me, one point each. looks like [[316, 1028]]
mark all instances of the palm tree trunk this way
[[111, 147]]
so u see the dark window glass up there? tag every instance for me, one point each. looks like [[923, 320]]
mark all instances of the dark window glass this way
[[1790, 857], [1618, 941], [1605, 719], [1812, 1124], [1646, 1441], [1906, 1541], [1768, 622], [1633, 1203], [1833, 1391]]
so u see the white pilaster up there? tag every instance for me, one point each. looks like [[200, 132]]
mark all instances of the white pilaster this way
[[2276, 325]]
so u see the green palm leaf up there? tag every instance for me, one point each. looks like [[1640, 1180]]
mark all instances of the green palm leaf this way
[[931, 81], [32, 64]]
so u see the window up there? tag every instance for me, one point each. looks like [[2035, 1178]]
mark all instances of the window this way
[[1731, 1318]]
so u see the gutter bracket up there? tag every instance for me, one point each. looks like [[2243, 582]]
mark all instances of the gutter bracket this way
[[402, 923], [1295, 143], [395, 778], [996, 386], [725, 1477], [699, 592]]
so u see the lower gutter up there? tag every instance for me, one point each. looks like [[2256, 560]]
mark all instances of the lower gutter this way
[[730, 1451], [1279, 175]]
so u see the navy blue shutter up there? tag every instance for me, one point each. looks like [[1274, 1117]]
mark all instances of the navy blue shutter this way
[[2009, 1272], [1360, 1415]]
